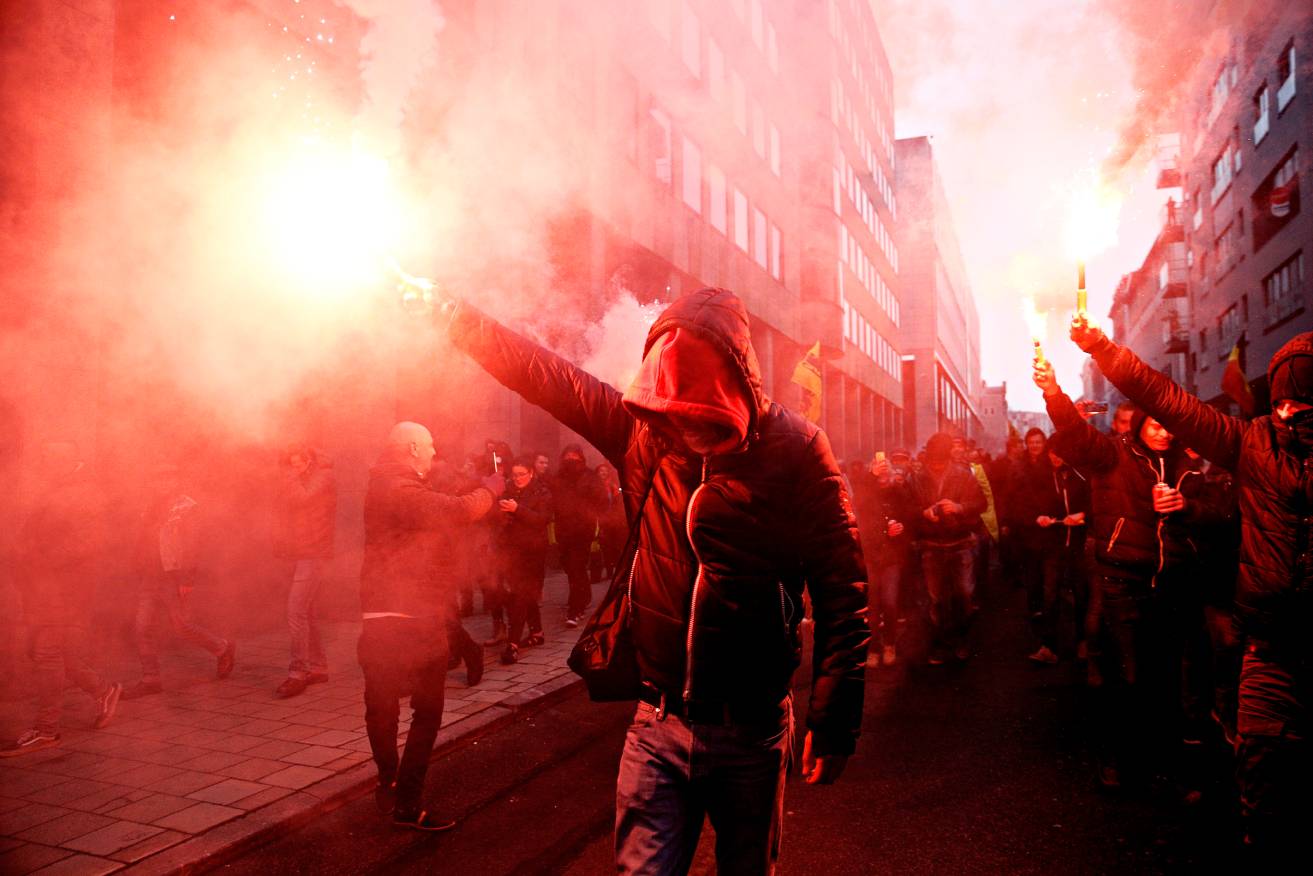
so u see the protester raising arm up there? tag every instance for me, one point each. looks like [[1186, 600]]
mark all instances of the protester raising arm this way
[[1212, 434], [1075, 440], [580, 401]]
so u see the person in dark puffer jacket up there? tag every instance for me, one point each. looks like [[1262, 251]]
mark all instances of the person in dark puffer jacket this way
[[1145, 496], [1272, 461], [739, 505]]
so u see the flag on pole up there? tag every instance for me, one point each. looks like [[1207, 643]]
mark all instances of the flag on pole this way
[[1235, 385], [808, 376]]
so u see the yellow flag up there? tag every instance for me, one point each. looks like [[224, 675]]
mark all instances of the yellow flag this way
[[808, 376]]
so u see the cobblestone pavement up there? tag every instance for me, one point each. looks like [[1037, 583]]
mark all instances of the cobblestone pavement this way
[[179, 777]]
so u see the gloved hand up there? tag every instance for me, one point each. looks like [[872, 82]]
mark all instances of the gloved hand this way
[[1086, 336], [495, 484]]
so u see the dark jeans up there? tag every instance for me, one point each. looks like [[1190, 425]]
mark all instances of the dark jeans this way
[[1138, 695], [164, 594], [303, 623], [1075, 576], [574, 560], [1274, 764], [1041, 571], [403, 656], [59, 652], [884, 604], [673, 774], [949, 582], [524, 583]]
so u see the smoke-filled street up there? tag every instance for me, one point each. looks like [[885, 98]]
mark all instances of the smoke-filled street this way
[[655, 436]]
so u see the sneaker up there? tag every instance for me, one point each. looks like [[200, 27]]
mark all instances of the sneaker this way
[[534, 639], [107, 704], [1044, 656], [423, 820], [385, 797], [889, 655], [142, 689], [572, 621], [316, 678], [290, 687], [32, 740], [510, 654], [224, 667]]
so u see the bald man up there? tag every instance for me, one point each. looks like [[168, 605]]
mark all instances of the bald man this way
[[403, 640]]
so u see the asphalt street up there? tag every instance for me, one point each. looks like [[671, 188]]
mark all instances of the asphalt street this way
[[976, 768]]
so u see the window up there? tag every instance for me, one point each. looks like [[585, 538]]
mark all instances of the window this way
[[1283, 289], [1235, 148], [1163, 275], [1286, 76], [1228, 327], [739, 94], [774, 149], [692, 39], [692, 175], [1221, 87], [1261, 119], [716, 70], [775, 244], [758, 130], [659, 142], [716, 207], [1221, 173], [1198, 218], [740, 220], [1276, 200], [759, 254]]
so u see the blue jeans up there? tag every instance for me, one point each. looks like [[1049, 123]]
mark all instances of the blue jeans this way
[[307, 649], [673, 773], [163, 593], [59, 655], [949, 582]]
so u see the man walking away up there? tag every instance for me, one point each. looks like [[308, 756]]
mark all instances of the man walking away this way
[[579, 497], [59, 556], [166, 556], [305, 518], [949, 503], [403, 641]]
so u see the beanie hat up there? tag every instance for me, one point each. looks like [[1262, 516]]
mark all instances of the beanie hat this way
[[1290, 375]]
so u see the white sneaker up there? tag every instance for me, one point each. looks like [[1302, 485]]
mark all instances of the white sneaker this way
[[32, 740]]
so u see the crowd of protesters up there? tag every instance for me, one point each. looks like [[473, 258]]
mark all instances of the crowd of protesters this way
[[1169, 558]]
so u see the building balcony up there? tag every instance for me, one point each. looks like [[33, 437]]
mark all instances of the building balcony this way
[[1177, 342], [1174, 289], [1168, 160]]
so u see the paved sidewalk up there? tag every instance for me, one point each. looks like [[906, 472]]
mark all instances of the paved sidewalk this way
[[210, 766]]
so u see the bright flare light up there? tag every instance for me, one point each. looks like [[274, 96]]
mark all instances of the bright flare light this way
[[1036, 324], [331, 216], [1094, 213]]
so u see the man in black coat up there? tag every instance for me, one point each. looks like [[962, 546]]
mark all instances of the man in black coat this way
[[1272, 461], [579, 498], [404, 607], [738, 505]]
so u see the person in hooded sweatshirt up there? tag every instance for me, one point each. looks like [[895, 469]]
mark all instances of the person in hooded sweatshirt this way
[[738, 506], [1271, 458], [579, 498], [1145, 499]]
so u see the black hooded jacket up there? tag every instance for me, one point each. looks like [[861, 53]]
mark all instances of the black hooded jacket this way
[[725, 543], [1273, 483], [1132, 542]]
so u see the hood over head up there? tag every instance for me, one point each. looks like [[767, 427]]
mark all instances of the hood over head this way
[[1290, 374], [698, 363]]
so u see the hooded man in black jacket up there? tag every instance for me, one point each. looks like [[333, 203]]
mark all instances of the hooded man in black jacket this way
[[737, 504]]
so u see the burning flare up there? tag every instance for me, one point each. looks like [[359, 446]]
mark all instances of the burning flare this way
[[1036, 323]]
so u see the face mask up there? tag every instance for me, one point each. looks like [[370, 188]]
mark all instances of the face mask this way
[[1301, 427]]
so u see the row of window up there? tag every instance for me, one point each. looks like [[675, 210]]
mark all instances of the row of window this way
[[861, 334], [1283, 295], [844, 114], [1275, 202], [1285, 92], [846, 181], [949, 402], [851, 253], [849, 53], [1227, 164]]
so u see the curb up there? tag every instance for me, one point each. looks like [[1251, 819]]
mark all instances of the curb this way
[[230, 840]]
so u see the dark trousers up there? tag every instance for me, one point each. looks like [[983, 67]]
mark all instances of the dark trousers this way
[[403, 656], [1041, 570], [950, 583], [1274, 764], [524, 583], [574, 560], [59, 653]]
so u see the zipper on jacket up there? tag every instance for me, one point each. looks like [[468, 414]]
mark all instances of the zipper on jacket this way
[[697, 581], [784, 612], [1116, 531]]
